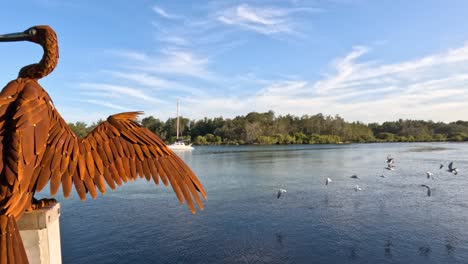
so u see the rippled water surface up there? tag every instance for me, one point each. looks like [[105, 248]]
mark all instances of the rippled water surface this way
[[391, 220]]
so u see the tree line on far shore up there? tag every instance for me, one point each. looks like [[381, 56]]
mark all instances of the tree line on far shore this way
[[267, 128]]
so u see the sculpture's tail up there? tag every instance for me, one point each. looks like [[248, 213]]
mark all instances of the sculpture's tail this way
[[11, 246]]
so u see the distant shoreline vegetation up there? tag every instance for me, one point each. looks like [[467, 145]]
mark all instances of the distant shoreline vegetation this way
[[269, 129]]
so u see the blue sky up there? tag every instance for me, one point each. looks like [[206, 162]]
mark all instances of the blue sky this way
[[369, 61]]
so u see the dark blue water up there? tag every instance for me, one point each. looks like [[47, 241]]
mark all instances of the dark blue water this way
[[390, 221]]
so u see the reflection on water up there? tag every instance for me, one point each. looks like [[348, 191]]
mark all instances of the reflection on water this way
[[353, 254], [450, 245], [424, 251], [243, 222], [388, 248], [279, 239]]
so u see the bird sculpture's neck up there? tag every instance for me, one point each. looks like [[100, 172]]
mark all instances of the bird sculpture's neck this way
[[48, 62]]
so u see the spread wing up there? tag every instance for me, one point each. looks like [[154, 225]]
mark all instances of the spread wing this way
[[116, 151], [39, 148], [119, 150]]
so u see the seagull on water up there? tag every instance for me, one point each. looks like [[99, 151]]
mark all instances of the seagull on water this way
[[428, 189], [280, 191], [357, 188], [452, 169], [328, 181], [354, 176]]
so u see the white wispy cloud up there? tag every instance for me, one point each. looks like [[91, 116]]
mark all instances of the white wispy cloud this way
[[107, 104], [143, 79], [155, 83], [163, 13], [264, 20], [184, 62], [285, 88], [174, 40], [256, 19], [349, 72], [122, 91], [181, 62], [131, 55], [72, 114]]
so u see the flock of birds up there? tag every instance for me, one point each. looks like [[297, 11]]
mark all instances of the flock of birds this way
[[390, 166], [430, 175]]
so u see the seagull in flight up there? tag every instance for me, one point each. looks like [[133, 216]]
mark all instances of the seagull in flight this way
[[354, 176], [452, 169], [390, 163], [428, 189], [430, 175], [328, 181], [441, 166], [280, 191], [390, 160], [357, 188]]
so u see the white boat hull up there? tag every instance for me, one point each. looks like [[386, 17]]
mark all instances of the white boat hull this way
[[180, 146]]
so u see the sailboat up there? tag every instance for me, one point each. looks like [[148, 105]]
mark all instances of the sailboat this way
[[179, 144]]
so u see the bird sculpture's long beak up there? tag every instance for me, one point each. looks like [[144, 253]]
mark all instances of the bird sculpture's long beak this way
[[20, 36]]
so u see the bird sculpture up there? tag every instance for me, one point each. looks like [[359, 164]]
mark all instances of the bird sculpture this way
[[37, 148]]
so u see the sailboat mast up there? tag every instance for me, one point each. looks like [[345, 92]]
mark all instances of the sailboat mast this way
[[177, 118]]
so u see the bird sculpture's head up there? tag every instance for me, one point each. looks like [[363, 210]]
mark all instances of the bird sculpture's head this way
[[36, 34], [44, 36]]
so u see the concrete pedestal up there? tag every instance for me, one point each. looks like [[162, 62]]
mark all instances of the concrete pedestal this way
[[40, 231]]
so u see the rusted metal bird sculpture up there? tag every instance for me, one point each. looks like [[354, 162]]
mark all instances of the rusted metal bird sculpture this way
[[37, 147]]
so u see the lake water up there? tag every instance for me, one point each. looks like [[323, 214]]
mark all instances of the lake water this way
[[391, 220]]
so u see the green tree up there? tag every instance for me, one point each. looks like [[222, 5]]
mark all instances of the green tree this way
[[200, 140], [155, 125], [79, 128]]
